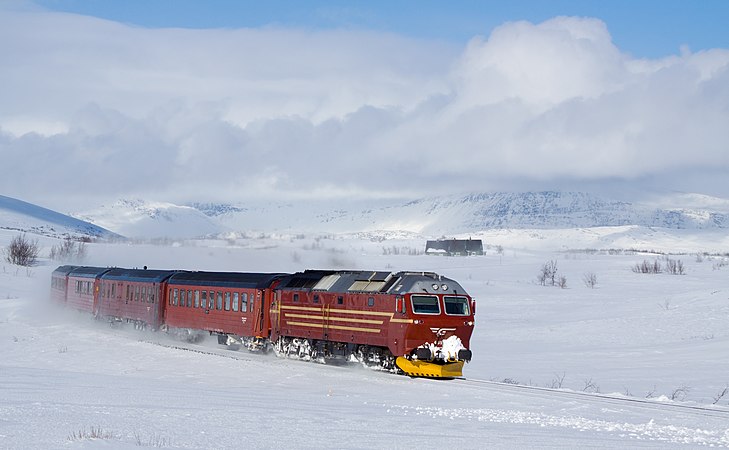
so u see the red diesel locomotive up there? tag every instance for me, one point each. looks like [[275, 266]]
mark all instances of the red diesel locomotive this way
[[419, 323]]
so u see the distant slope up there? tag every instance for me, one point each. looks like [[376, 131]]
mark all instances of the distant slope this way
[[144, 219], [23, 216], [481, 211], [434, 216]]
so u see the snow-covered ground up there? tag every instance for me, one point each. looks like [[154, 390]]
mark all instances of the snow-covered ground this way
[[552, 368]]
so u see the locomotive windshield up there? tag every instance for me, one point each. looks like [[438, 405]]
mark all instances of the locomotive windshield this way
[[425, 304], [456, 306]]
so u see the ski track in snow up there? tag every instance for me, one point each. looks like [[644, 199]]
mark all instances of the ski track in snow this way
[[643, 431]]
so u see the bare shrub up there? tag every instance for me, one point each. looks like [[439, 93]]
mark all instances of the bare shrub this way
[[22, 251], [679, 394], [590, 279], [68, 250], [721, 394], [562, 282], [674, 266], [557, 381], [92, 433], [154, 440], [591, 386], [548, 274], [648, 267]]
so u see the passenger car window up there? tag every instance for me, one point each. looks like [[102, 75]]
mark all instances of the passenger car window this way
[[456, 306], [235, 301], [243, 302], [425, 304]]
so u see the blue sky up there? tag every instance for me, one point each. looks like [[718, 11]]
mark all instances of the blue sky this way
[[644, 28], [237, 100]]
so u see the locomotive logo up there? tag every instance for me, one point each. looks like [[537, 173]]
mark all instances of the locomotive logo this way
[[440, 332]]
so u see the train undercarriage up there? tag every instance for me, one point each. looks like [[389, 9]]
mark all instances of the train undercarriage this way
[[328, 352]]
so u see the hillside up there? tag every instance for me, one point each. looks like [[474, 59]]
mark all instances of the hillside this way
[[23, 216]]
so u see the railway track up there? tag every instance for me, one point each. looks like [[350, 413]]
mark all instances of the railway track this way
[[704, 410]]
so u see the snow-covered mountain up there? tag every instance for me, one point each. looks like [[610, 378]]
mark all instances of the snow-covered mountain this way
[[144, 219], [23, 216], [434, 216], [476, 212]]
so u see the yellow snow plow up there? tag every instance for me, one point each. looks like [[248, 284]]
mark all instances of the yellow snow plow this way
[[416, 368]]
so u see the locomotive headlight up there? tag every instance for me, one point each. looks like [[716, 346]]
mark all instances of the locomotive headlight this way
[[435, 287], [468, 323], [444, 287]]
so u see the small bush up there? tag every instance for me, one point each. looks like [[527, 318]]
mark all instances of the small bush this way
[[92, 433], [674, 266], [590, 279], [548, 274], [68, 250], [22, 251], [648, 267]]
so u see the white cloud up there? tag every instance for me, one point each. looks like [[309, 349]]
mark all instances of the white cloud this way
[[104, 109]]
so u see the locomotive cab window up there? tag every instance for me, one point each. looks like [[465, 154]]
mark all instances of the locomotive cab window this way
[[425, 304], [456, 306]]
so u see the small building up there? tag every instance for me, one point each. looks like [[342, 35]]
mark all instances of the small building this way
[[454, 247]]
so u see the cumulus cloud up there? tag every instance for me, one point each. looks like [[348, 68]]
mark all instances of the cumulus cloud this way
[[96, 108]]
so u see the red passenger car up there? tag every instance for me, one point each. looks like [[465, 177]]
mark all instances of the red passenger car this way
[[133, 295], [59, 283], [83, 288], [232, 305]]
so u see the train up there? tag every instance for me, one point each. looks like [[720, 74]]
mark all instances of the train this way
[[414, 323]]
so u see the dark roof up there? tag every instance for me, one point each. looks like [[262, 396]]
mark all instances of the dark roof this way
[[153, 276], [64, 270], [88, 272], [456, 245], [226, 279]]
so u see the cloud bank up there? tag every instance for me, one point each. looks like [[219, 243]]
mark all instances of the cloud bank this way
[[92, 108]]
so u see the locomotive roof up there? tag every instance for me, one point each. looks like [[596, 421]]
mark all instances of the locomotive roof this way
[[64, 270], [371, 281], [426, 283], [87, 271], [153, 276], [226, 279]]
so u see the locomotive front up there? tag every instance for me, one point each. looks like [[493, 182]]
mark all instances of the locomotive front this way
[[439, 317]]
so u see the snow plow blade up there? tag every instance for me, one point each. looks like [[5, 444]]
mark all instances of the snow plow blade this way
[[428, 369]]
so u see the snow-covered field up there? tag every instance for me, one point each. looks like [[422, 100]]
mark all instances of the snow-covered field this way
[[639, 361]]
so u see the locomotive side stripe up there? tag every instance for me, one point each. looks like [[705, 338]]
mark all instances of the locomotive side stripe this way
[[340, 319], [334, 327], [301, 308], [345, 311]]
